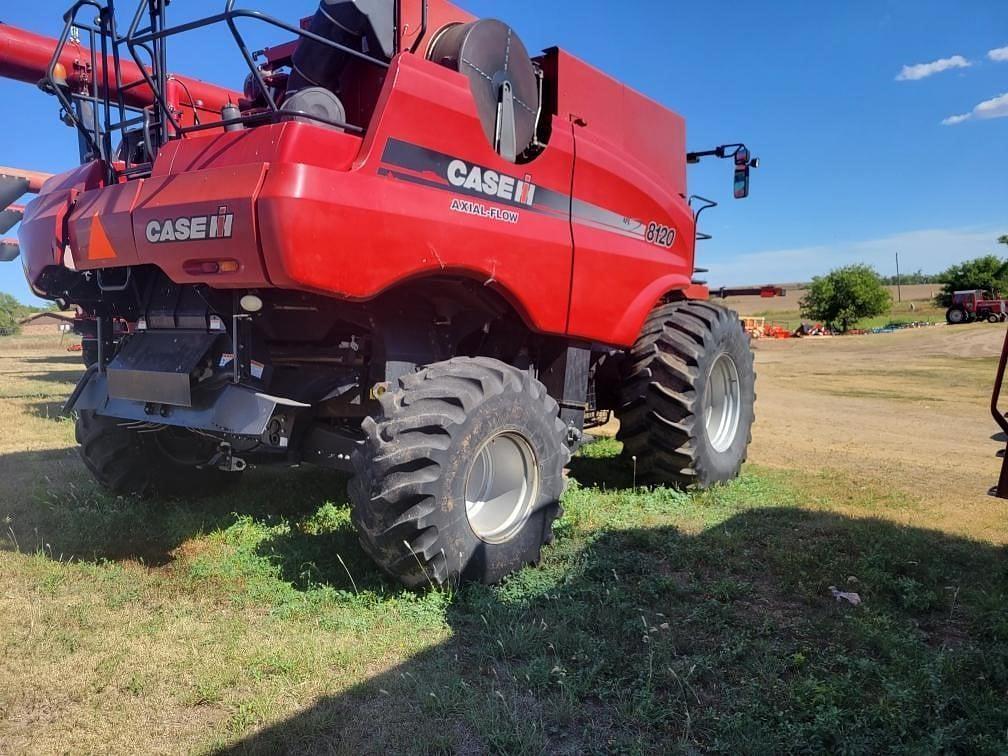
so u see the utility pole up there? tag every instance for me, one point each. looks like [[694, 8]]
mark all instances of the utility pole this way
[[899, 288]]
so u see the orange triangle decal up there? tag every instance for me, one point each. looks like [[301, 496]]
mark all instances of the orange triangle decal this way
[[99, 247]]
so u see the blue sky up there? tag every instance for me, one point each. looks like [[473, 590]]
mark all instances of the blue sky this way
[[857, 163]]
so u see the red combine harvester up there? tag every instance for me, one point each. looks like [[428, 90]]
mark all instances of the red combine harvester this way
[[971, 306], [405, 248]]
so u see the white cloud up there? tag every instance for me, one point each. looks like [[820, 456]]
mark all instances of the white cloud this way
[[999, 55], [996, 107], [923, 70], [930, 250]]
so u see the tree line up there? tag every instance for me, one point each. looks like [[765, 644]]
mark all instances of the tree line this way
[[12, 312], [847, 295]]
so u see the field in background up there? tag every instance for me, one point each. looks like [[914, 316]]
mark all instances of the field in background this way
[[917, 305], [659, 621]]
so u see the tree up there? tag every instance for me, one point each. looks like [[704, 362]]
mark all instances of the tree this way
[[845, 296], [989, 273], [911, 279], [1003, 239], [11, 311]]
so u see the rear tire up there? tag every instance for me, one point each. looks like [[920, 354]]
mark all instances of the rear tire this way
[[126, 462], [956, 316], [687, 404], [461, 475]]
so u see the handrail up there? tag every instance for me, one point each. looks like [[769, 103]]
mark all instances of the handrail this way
[[149, 43], [999, 417], [135, 38]]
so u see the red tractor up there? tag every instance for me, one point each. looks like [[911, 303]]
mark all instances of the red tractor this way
[[970, 306], [406, 248]]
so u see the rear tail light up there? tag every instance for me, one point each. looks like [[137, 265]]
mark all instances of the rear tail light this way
[[210, 267]]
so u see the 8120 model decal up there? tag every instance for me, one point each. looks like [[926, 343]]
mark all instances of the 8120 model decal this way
[[662, 236]]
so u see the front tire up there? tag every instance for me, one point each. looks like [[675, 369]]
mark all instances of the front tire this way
[[126, 462], [688, 397], [461, 475]]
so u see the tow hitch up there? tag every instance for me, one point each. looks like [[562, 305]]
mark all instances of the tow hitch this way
[[225, 460]]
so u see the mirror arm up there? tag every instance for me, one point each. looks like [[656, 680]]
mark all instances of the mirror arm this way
[[721, 152]]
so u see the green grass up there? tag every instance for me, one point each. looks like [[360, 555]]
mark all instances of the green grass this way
[[659, 622]]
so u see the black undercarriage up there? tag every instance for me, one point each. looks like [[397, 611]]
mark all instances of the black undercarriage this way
[[273, 376]]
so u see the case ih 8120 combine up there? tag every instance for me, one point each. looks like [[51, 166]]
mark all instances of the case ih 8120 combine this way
[[406, 249]]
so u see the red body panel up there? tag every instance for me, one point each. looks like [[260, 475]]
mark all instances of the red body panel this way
[[638, 129], [203, 194], [623, 164], [113, 243], [359, 234], [422, 194]]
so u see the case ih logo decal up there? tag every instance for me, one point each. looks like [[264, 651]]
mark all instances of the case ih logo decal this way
[[491, 183], [448, 173], [192, 228]]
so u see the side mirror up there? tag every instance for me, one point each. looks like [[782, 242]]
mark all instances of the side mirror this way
[[742, 182], [743, 163]]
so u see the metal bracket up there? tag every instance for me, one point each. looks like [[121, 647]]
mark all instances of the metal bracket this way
[[506, 141]]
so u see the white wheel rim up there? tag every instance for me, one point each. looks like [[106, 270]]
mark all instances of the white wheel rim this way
[[723, 403], [502, 486], [956, 316]]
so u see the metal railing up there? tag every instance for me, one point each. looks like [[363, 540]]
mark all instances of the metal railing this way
[[150, 42]]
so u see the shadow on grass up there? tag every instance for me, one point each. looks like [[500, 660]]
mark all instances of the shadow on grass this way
[[632, 639], [51, 503], [653, 640], [67, 377], [71, 358]]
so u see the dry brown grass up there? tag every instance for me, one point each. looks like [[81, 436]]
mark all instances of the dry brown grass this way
[[905, 411]]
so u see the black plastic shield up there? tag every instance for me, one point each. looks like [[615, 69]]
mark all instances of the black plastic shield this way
[[157, 367]]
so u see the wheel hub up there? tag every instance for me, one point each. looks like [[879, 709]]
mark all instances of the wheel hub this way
[[723, 403], [502, 486]]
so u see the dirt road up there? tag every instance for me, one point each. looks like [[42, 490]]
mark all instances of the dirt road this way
[[909, 409]]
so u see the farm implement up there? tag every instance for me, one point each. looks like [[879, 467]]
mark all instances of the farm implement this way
[[404, 248]]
